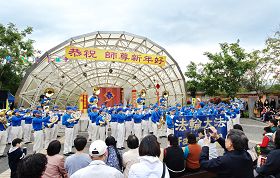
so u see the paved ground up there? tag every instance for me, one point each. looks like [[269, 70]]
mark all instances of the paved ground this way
[[252, 128]]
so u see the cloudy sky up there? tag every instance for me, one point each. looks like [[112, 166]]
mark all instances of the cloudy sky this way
[[185, 28]]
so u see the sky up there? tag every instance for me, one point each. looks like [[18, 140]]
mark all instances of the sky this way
[[185, 28]]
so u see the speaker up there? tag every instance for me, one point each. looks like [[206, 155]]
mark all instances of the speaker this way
[[3, 95]]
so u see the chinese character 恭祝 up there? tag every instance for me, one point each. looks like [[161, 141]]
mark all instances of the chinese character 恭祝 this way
[[124, 56], [89, 54], [111, 55], [148, 59], [159, 60], [220, 122], [208, 123], [181, 125], [74, 52], [135, 58]]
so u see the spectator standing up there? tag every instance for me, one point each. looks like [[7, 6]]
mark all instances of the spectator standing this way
[[149, 166], [132, 155], [174, 157], [15, 154], [98, 168], [55, 166], [236, 161], [271, 166], [32, 166], [192, 154], [114, 158], [80, 159]]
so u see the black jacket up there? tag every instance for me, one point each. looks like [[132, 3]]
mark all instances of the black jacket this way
[[233, 164], [272, 165], [14, 156]]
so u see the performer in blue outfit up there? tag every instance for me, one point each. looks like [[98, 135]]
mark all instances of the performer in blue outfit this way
[[137, 118], [155, 120], [27, 126], [170, 120], [37, 124], [94, 128], [16, 125], [121, 129], [68, 121]]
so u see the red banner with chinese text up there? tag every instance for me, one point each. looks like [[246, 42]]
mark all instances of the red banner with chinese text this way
[[110, 96]]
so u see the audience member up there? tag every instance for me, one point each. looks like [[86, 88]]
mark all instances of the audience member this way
[[15, 154], [149, 165], [114, 158], [212, 146], [32, 166], [236, 161], [238, 126], [174, 157], [80, 159], [192, 154], [267, 143], [98, 168], [55, 167], [132, 155], [271, 166], [272, 123]]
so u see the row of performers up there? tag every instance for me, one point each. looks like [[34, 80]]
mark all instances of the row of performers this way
[[44, 123]]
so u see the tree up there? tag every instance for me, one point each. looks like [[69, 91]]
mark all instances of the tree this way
[[14, 45], [194, 76], [225, 70], [265, 71]]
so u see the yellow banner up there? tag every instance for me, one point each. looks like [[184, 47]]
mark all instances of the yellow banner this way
[[72, 52]]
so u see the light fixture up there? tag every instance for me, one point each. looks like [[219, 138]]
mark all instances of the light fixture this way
[[85, 74], [110, 71]]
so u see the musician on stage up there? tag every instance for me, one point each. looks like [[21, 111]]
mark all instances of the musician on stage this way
[[128, 122], [37, 124], [170, 120], [155, 120], [145, 121], [101, 122], [16, 125], [68, 121], [137, 119], [49, 127], [120, 128], [57, 114], [3, 133], [27, 126], [94, 128]]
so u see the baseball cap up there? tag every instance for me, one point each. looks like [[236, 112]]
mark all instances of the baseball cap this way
[[97, 148]]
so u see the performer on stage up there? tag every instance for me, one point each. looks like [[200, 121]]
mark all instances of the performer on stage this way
[[170, 120], [57, 114], [137, 118], [49, 128], [16, 125], [37, 124], [155, 120], [101, 122], [27, 126], [3, 133], [120, 128], [145, 121], [68, 121], [94, 128], [113, 122], [128, 122]]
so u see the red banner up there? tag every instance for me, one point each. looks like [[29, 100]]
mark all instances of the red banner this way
[[110, 96]]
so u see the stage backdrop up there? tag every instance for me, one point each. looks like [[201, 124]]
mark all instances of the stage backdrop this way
[[110, 96]]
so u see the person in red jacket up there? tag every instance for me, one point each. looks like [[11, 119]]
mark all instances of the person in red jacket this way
[[267, 143]]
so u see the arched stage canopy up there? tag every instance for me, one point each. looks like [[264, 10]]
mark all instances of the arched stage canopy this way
[[71, 78]]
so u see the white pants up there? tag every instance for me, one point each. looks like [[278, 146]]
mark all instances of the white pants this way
[[15, 132], [169, 131], [94, 132], [150, 123], [69, 132], [38, 141], [3, 141], [76, 130], [155, 129], [89, 130], [120, 135], [114, 126], [21, 131], [138, 130], [48, 136], [145, 127], [128, 128], [101, 133], [55, 131], [27, 132], [162, 130]]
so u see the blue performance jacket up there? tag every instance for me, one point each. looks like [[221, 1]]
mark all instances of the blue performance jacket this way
[[120, 118], [37, 123], [137, 118], [170, 121], [28, 119], [16, 120], [2, 128], [147, 116], [93, 116], [155, 117], [114, 118], [65, 122], [47, 121]]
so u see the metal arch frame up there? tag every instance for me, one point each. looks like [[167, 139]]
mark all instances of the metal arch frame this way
[[94, 37]]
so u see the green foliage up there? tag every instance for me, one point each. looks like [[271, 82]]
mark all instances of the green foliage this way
[[225, 70], [14, 43], [194, 75]]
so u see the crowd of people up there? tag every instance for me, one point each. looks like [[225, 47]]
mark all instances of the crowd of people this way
[[140, 127]]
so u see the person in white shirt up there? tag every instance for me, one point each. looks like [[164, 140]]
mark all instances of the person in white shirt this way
[[132, 155], [150, 165], [212, 146], [98, 168]]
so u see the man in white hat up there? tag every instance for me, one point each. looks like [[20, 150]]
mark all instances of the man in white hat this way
[[98, 168]]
